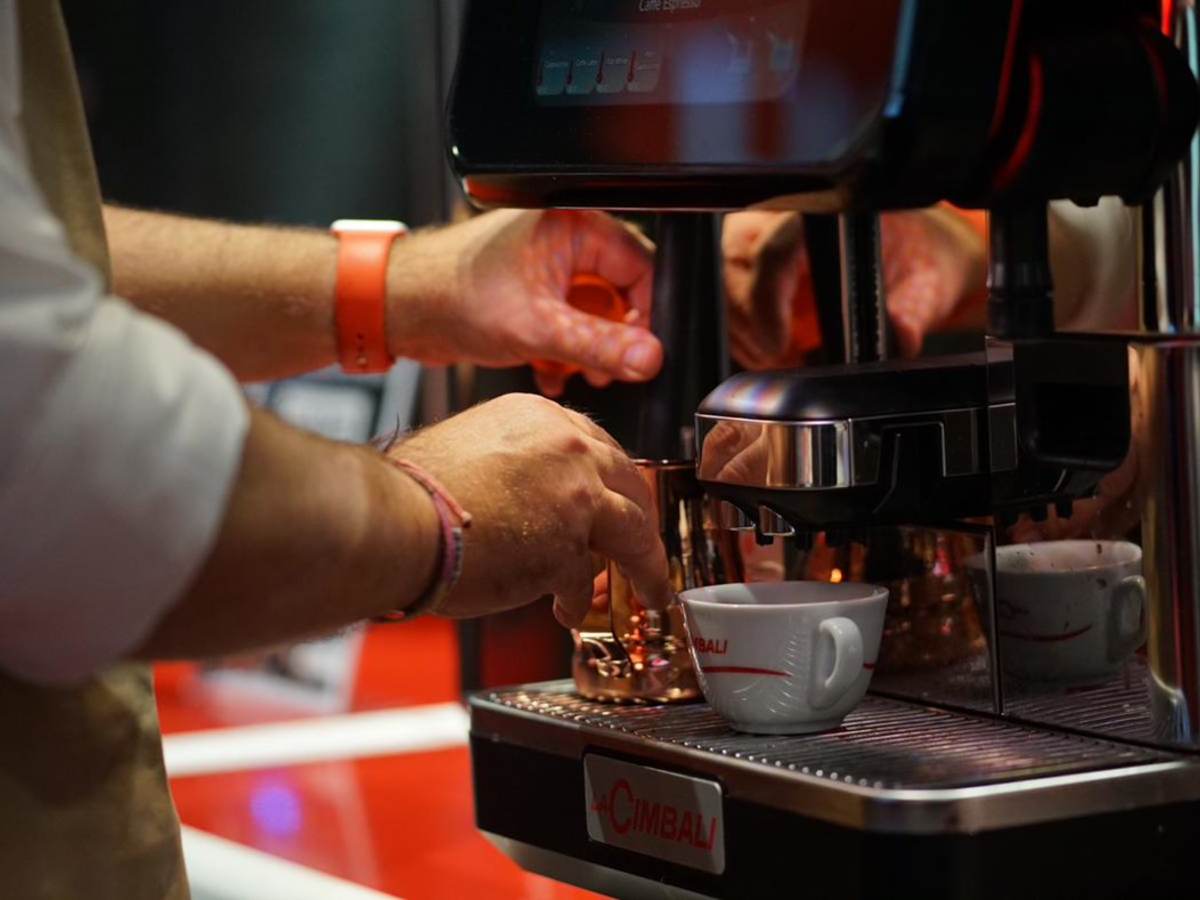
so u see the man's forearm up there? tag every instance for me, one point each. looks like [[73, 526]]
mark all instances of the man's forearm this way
[[258, 298], [316, 535]]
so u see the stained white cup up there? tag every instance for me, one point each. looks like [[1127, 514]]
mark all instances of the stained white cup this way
[[1066, 611], [787, 657]]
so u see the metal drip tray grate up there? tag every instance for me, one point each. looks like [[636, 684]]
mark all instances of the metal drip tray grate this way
[[893, 765], [1120, 707], [882, 744]]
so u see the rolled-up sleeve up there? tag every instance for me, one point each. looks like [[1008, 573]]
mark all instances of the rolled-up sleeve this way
[[119, 444]]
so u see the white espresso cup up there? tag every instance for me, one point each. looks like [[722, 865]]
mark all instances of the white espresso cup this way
[[1066, 611], [787, 657]]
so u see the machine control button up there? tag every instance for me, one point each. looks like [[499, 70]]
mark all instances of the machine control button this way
[[741, 54], [645, 72], [585, 70], [552, 79], [670, 817], [615, 73], [783, 58]]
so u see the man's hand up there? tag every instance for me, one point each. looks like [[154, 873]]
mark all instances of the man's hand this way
[[766, 273], [932, 263], [320, 534], [492, 291], [545, 486]]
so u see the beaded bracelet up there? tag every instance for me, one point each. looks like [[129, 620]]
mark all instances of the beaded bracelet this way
[[454, 520]]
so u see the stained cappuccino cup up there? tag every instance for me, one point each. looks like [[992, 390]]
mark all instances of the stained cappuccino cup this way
[[1066, 611], [788, 657]]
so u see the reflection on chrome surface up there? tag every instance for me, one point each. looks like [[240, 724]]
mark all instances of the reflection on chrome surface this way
[[1168, 402], [775, 454], [810, 455]]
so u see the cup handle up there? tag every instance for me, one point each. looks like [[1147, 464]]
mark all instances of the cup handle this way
[[847, 662], [1129, 605]]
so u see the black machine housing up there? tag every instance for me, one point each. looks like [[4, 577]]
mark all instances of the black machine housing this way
[[1015, 458], [899, 104]]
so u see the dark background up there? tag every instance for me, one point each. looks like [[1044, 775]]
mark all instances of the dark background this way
[[295, 111]]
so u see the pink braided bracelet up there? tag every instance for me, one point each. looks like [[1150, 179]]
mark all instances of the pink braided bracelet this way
[[454, 520]]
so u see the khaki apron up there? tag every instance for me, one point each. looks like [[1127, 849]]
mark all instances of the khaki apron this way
[[85, 810]]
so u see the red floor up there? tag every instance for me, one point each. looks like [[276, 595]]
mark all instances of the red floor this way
[[400, 824]]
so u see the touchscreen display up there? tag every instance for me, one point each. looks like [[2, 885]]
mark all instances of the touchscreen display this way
[[668, 51]]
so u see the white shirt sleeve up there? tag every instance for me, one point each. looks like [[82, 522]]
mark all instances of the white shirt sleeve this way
[[119, 442]]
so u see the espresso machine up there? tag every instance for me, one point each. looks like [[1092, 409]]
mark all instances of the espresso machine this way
[[954, 777]]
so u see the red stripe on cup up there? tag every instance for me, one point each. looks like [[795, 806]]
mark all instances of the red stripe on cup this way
[[1046, 638], [752, 670]]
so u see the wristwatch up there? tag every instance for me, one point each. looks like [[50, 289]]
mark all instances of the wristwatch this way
[[361, 292]]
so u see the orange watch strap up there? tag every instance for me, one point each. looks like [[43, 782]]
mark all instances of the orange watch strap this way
[[596, 296], [364, 248]]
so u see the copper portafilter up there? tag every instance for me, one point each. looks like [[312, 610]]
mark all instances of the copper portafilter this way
[[624, 651]]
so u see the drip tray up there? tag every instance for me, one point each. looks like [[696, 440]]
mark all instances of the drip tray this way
[[894, 766]]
